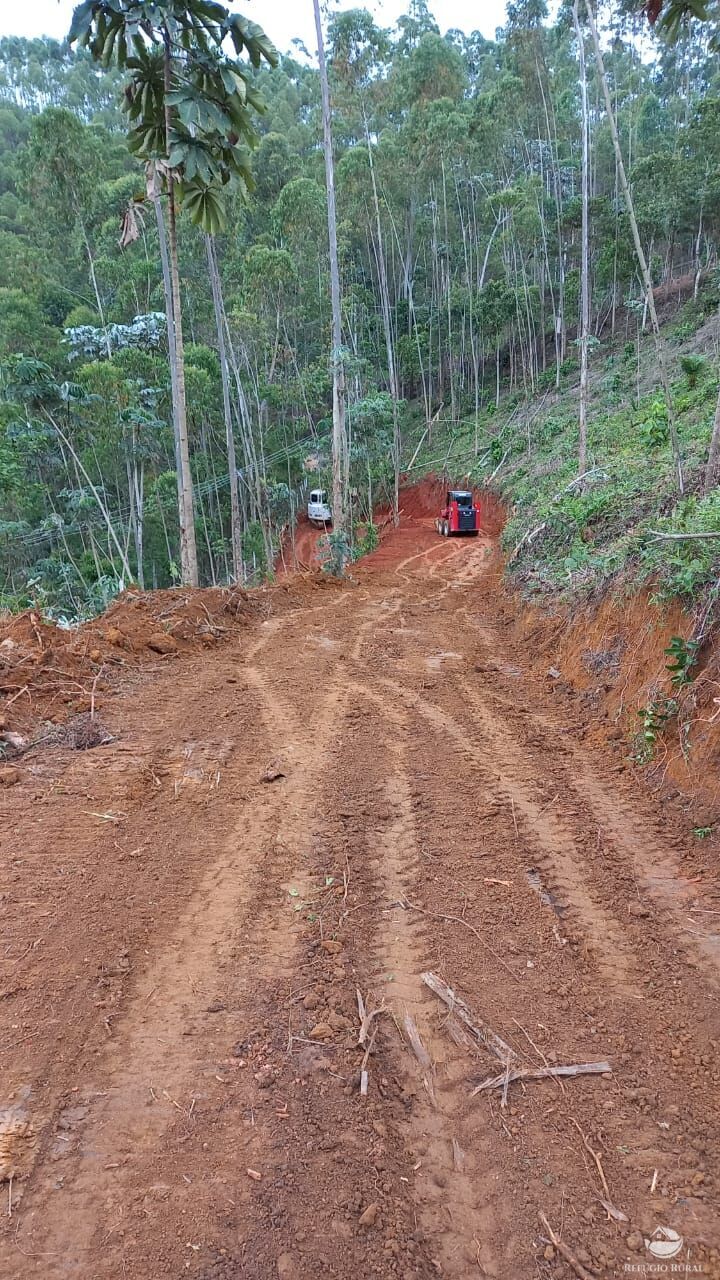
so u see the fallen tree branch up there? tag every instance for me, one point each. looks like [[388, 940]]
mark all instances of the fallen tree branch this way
[[526, 539], [567, 1254], [680, 537], [543, 1073], [482, 1033]]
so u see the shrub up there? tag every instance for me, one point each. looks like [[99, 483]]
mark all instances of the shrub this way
[[692, 366]]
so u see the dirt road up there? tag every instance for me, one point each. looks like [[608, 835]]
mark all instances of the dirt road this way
[[360, 787]]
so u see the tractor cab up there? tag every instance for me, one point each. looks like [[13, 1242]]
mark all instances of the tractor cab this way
[[459, 515], [461, 496], [318, 508]]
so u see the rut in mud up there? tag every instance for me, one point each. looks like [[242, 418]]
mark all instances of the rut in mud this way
[[361, 786]]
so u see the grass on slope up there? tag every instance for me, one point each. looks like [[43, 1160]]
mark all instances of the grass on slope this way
[[586, 535]]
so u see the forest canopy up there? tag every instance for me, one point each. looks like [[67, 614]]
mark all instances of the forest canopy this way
[[460, 230]]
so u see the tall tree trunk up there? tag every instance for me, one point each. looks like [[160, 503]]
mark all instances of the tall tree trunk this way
[[585, 256], [112, 536], [340, 445], [387, 327], [710, 478], [235, 522], [642, 261], [186, 515], [93, 280]]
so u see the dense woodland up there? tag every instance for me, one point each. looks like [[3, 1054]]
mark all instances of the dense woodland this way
[[473, 279]]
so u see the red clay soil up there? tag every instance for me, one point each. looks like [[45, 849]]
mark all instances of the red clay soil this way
[[613, 657], [353, 785], [300, 549]]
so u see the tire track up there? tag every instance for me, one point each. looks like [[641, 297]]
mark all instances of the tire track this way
[[455, 1191], [552, 845], [240, 910], [641, 845]]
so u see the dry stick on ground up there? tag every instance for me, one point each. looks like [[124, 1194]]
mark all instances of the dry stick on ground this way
[[567, 1254], [596, 1157], [17, 695], [681, 537], [526, 539], [440, 915], [92, 693], [483, 1034], [543, 1073], [367, 1020], [421, 1054], [364, 1077], [460, 1036]]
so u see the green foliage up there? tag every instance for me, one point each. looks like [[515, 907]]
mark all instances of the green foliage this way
[[654, 718], [188, 103], [655, 427], [369, 541], [692, 366], [682, 657], [471, 147]]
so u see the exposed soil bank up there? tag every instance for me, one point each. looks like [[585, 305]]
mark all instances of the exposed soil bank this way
[[612, 656]]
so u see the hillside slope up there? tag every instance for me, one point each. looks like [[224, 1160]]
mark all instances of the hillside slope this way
[[597, 596]]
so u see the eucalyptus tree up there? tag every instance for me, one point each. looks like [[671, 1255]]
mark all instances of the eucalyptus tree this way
[[60, 169], [641, 257], [585, 300], [340, 452], [189, 107]]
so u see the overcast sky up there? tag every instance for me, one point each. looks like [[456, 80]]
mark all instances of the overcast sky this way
[[282, 20]]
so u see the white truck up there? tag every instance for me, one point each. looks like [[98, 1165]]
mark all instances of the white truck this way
[[318, 508]]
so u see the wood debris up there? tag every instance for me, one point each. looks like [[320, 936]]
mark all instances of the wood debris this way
[[482, 1033], [421, 1054], [567, 1254], [542, 1073]]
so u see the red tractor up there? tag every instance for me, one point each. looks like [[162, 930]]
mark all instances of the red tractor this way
[[459, 515]]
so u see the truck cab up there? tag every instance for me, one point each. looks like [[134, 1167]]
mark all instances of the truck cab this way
[[318, 508]]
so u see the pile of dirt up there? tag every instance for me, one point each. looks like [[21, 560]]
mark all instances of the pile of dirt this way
[[49, 673]]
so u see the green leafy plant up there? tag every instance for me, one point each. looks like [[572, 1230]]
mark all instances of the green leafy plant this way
[[655, 429], [692, 366], [654, 718], [702, 833], [682, 656], [368, 542]]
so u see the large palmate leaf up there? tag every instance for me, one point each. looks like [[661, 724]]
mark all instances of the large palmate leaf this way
[[188, 103]]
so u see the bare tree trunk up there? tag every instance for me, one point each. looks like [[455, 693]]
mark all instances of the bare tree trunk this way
[[585, 265], [710, 478], [112, 536], [93, 279], [340, 446], [139, 481], [188, 549], [387, 326], [235, 522], [642, 261]]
